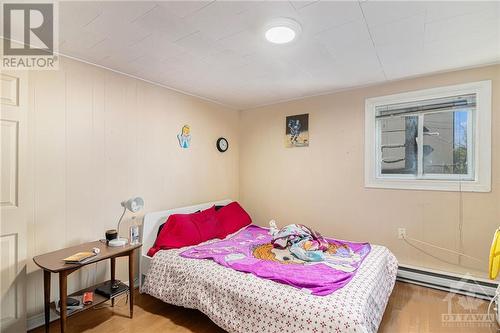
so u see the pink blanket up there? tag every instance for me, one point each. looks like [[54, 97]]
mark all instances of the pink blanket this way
[[251, 251]]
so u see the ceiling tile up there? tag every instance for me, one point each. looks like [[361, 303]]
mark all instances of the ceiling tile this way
[[120, 31], [78, 38], [144, 64], [308, 54], [184, 8], [300, 4], [244, 42], [199, 45], [349, 38], [78, 13], [487, 45], [407, 29], [217, 50], [462, 26], [393, 53], [160, 19], [187, 63], [322, 15], [220, 18], [95, 54], [383, 12], [226, 59], [159, 44], [82, 54], [439, 10], [125, 11], [263, 13]]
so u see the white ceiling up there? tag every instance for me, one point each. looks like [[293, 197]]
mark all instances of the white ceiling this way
[[216, 49]]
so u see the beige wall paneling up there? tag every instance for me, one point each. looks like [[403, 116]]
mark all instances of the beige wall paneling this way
[[15, 202], [99, 138], [323, 185], [9, 267], [48, 91]]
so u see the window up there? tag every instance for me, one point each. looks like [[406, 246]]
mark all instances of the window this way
[[436, 139]]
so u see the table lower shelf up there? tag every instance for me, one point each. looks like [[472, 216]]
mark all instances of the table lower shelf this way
[[98, 299]]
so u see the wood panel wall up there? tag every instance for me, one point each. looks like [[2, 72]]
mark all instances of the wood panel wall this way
[[97, 138]]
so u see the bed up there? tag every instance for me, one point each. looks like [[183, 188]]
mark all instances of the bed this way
[[243, 303]]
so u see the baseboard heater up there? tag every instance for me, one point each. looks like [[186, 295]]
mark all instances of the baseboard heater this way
[[465, 285]]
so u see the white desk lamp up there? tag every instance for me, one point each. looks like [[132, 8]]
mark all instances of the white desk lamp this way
[[134, 205]]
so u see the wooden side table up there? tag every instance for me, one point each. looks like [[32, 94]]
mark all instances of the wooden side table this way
[[53, 263]]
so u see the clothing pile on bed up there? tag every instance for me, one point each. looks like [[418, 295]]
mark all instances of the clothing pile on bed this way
[[303, 242]]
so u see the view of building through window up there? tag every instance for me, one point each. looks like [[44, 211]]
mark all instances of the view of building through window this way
[[445, 143]]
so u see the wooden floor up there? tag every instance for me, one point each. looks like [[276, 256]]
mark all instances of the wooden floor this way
[[411, 309]]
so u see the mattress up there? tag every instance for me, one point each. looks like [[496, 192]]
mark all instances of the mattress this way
[[243, 303]]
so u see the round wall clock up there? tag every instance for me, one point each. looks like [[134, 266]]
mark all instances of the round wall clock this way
[[222, 145]]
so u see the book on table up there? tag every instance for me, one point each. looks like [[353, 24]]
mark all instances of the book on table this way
[[79, 258]]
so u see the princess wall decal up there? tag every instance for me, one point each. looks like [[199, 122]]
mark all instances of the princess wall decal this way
[[185, 137]]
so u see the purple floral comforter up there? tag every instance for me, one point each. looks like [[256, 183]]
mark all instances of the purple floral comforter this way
[[251, 251]]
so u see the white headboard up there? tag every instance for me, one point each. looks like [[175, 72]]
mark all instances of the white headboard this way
[[153, 220]]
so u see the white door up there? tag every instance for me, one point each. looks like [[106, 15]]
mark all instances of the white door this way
[[14, 200]]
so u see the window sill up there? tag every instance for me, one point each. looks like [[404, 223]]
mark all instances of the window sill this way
[[429, 185]]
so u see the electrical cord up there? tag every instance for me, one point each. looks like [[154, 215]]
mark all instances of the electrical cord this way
[[408, 239], [460, 219], [497, 292], [489, 307], [492, 318]]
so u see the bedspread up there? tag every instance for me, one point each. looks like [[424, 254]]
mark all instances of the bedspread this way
[[251, 251], [244, 303]]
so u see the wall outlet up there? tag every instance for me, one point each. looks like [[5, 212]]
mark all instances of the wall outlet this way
[[401, 233]]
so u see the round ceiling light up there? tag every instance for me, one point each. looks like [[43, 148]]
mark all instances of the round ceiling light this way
[[282, 31]]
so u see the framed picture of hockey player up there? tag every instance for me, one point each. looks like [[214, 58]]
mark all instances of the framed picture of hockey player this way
[[297, 131]]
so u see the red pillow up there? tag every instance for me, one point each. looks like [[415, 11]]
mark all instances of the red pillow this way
[[206, 222], [186, 229], [232, 218]]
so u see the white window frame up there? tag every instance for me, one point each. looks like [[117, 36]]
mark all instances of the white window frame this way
[[479, 123]]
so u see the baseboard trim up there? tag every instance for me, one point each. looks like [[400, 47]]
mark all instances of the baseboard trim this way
[[453, 283], [38, 320]]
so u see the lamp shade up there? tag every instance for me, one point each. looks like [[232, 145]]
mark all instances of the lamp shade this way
[[134, 204]]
